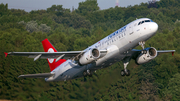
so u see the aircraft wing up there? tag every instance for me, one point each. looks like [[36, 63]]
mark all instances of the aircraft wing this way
[[40, 75], [166, 51], [134, 51], [46, 55]]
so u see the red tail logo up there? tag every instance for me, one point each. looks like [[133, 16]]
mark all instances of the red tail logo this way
[[48, 47], [50, 50]]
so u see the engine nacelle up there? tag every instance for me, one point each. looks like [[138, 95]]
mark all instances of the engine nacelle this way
[[144, 58], [89, 56]]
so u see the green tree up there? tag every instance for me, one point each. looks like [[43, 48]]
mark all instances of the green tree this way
[[4, 9], [44, 28], [57, 9], [173, 87], [32, 26], [87, 6]]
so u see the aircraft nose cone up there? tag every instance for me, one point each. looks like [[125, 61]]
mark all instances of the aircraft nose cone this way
[[153, 27]]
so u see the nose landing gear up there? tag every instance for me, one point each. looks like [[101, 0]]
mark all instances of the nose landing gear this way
[[142, 43]]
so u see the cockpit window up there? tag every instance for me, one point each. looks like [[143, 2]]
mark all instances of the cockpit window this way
[[144, 21], [147, 21]]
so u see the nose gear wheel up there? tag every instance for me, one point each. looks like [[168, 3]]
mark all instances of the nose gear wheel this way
[[142, 43]]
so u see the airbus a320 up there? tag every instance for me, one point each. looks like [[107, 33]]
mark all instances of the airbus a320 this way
[[118, 46]]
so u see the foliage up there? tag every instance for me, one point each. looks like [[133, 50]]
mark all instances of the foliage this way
[[173, 87], [87, 6], [76, 30]]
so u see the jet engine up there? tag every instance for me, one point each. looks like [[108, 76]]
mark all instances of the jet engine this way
[[147, 56], [89, 56]]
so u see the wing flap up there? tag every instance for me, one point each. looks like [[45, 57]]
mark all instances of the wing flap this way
[[40, 75]]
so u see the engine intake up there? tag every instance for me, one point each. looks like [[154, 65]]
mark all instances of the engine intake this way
[[95, 53], [144, 58], [89, 56]]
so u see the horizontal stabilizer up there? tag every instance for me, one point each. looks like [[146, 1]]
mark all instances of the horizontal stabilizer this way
[[40, 75]]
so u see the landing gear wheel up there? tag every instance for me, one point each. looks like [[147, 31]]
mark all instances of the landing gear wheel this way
[[142, 43], [144, 51], [127, 73], [85, 73], [89, 73], [123, 73]]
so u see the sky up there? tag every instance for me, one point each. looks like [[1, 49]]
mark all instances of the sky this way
[[29, 5]]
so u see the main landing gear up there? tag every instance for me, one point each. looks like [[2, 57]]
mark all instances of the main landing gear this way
[[87, 73], [125, 71]]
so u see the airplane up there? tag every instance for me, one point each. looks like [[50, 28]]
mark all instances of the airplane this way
[[118, 46]]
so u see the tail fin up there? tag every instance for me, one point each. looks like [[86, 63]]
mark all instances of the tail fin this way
[[5, 54], [48, 47]]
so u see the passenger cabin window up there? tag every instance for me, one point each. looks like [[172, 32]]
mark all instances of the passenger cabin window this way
[[144, 21]]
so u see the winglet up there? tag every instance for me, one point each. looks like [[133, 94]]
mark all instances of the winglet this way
[[172, 53], [5, 54]]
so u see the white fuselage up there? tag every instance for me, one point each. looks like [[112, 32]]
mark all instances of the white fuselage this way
[[117, 44]]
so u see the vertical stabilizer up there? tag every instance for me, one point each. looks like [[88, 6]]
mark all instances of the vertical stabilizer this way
[[48, 47]]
